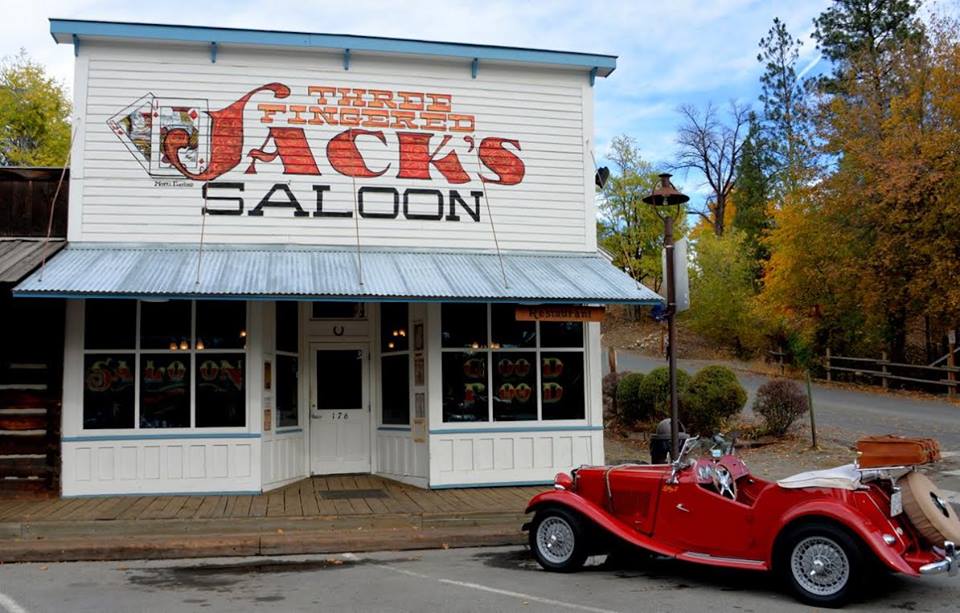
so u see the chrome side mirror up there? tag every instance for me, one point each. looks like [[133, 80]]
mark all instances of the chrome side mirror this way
[[680, 462]]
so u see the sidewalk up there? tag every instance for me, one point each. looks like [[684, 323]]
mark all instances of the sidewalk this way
[[317, 515]]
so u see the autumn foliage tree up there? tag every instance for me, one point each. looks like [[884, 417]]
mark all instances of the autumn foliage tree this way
[[34, 115]]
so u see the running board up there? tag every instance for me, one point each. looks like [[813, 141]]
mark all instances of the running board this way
[[706, 558]]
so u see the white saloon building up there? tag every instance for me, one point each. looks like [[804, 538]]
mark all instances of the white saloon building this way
[[293, 254]]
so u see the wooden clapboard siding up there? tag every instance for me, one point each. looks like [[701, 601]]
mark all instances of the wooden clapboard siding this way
[[547, 111]]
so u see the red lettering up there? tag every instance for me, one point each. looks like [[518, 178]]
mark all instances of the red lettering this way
[[226, 137], [508, 167], [292, 147], [415, 158], [345, 157]]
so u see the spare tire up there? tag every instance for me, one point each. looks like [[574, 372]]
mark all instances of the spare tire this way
[[931, 514]]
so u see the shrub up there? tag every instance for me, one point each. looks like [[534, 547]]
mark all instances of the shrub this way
[[779, 402], [713, 396], [654, 392], [627, 401]]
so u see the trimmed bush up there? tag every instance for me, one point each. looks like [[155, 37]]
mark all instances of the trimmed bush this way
[[628, 405], [654, 392], [780, 402], [713, 396]]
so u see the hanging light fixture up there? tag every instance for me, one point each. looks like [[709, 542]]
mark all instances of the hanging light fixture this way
[[173, 346], [243, 334], [184, 345], [200, 345]]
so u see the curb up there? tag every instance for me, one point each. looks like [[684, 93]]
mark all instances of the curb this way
[[282, 543]]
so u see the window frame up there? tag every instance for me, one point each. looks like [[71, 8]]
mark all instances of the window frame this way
[[138, 352], [488, 351]]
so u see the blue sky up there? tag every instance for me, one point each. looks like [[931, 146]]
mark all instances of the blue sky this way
[[670, 53]]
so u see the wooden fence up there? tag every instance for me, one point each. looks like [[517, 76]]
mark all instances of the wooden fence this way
[[885, 371]]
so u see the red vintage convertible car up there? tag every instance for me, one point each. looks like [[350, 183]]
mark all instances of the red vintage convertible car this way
[[823, 532]]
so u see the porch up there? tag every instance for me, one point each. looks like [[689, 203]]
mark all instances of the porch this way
[[314, 515]]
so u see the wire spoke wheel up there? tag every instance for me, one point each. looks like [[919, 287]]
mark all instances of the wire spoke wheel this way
[[820, 566], [555, 540]]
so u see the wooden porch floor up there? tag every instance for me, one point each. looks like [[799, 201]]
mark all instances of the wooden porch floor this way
[[313, 497]]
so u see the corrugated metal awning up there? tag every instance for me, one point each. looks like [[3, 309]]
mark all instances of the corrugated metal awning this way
[[314, 273], [19, 256]]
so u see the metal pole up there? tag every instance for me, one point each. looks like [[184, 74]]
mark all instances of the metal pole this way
[[951, 376], [672, 338]]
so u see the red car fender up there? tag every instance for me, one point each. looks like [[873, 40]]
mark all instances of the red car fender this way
[[601, 518], [855, 521]]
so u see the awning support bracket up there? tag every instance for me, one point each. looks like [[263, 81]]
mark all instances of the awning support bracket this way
[[593, 75]]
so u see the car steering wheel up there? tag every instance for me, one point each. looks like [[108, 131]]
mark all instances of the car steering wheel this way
[[724, 482]]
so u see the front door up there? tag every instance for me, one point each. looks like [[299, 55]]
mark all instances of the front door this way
[[339, 410]]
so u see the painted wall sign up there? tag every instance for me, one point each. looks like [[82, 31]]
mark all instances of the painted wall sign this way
[[559, 313], [183, 138]]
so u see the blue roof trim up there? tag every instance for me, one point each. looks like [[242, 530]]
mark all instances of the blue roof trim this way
[[64, 31]]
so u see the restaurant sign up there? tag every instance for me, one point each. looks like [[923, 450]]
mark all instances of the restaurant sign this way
[[559, 313], [178, 141]]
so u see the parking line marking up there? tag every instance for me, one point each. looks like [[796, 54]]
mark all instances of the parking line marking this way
[[10, 604], [485, 588]]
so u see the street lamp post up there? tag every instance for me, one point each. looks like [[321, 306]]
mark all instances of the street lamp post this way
[[663, 196]]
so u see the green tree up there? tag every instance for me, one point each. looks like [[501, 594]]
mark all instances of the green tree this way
[[628, 228], [752, 195], [34, 115], [785, 112]]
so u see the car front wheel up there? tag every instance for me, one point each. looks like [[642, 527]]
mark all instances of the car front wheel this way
[[822, 563], [557, 538]]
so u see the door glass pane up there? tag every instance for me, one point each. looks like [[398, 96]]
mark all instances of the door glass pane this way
[[339, 380]]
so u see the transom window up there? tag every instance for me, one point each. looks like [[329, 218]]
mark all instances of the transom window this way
[[495, 368], [170, 364]]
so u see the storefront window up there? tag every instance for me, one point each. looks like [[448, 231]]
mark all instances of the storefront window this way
[[515, 374], [463, 326], [185, 365], [164, 390], [108, 390], [514, 386], [221, 390], [288, 365], [110, 324], [165, 325], [465, 386], [395, 363]]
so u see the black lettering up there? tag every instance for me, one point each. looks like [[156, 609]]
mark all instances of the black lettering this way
[[320, 212], [431, 216], [227, 211], [379, 190], [456, 199], [291, 202]]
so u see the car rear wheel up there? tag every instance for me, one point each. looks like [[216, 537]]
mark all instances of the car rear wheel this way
[[557, 538], [822, 564]]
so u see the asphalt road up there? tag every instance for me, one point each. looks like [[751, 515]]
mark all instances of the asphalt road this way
[[491, 579], [858, 412]]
